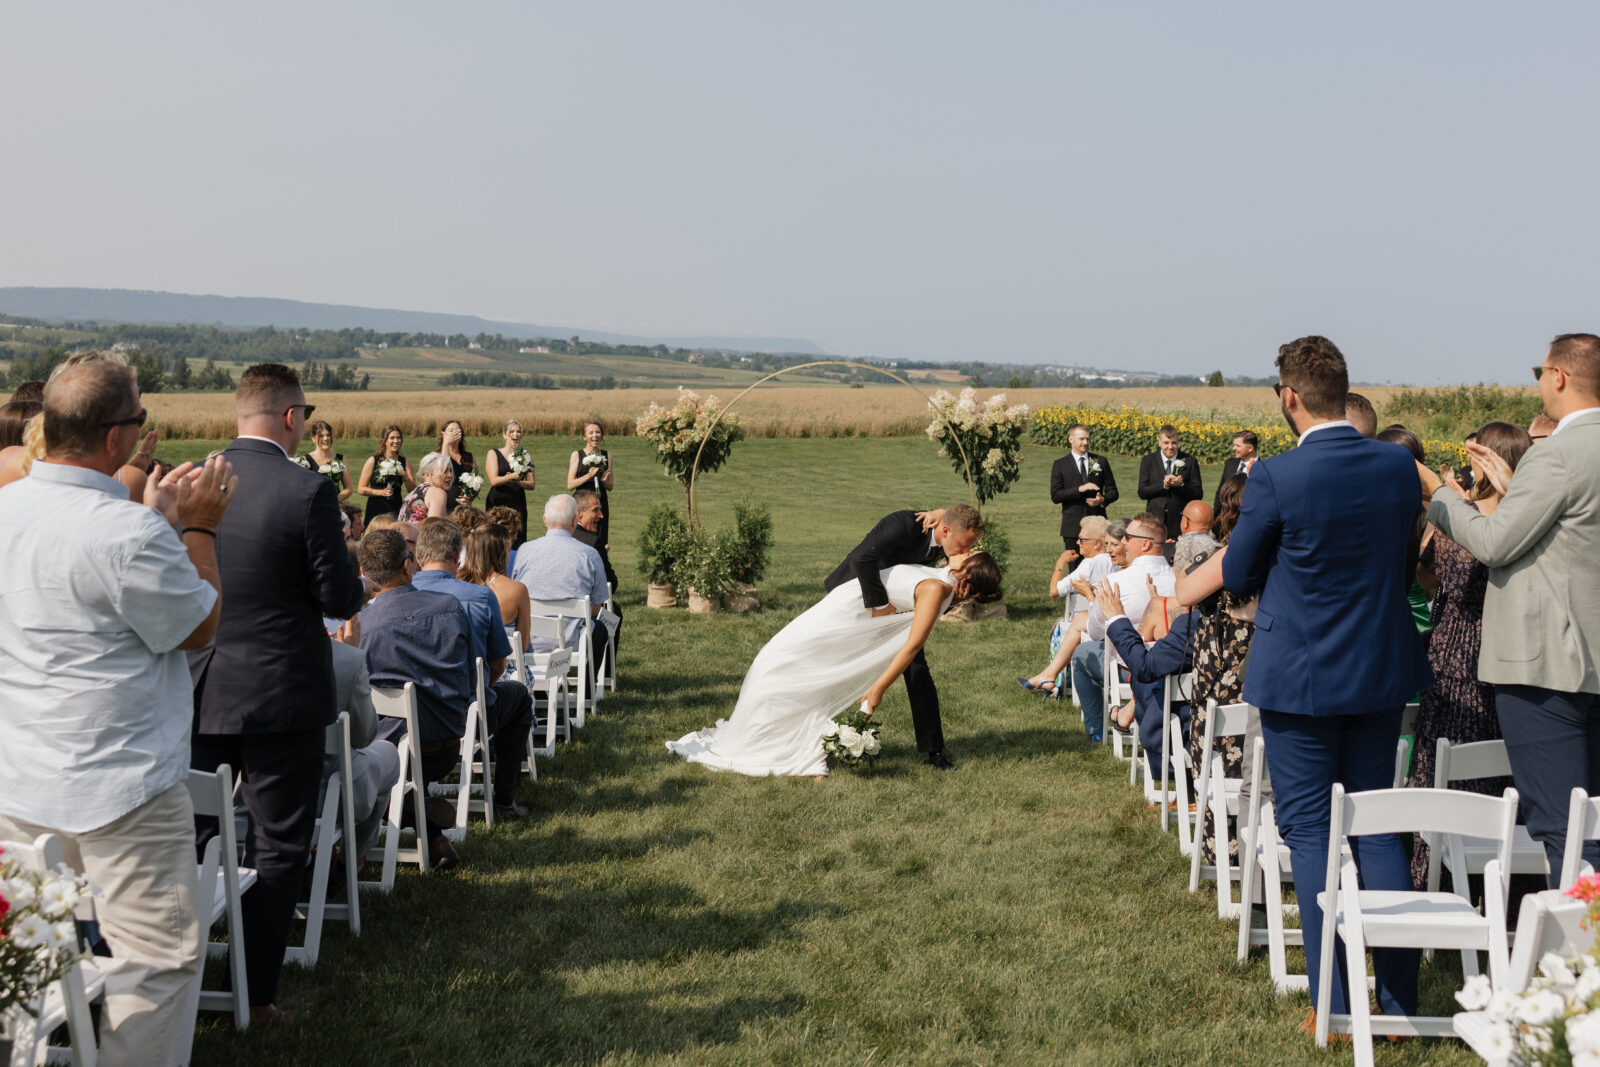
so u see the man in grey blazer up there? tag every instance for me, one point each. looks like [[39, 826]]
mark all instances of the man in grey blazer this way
[[1541, 616]]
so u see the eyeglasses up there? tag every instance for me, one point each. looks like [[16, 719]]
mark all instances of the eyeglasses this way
[[1087, 540], [1538, 372], [132, 420], [1279, 387], [1139, 537], [309, 408]]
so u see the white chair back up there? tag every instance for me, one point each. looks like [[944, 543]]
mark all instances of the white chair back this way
[[1220, 794], [336, 823], [221, 885], [401, 704], [584, 697], [1583, 824]]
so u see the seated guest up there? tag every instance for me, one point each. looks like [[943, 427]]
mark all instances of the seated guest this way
[[1142, 548], [486, 551], [1397, 434], [1196, 518], [431, 497], [1094, 566], [354, 527], [412, 635], [1541, 427], [511, 521], [1359, 412], [467, 518], [591, 521], [1170, 654], [374, 762], [558, 566], [510, 705]]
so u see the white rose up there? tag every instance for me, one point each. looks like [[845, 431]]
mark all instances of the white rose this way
[[832, 730], [872, 746], [848, 735], [1583, 1033], [857, 746], [1541, 1008], [1474, 996]]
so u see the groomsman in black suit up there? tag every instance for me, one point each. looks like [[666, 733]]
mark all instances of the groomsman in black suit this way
[[903, 538], [1168, 480], [1244, 457], [1082, 483], [264, 689]]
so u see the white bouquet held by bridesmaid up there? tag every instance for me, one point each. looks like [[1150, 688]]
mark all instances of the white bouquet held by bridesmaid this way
[[520, 462], [390, 468], [470, 484], [851, 738]]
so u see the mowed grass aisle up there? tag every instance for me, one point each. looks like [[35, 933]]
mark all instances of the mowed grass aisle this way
[[1022, 909]]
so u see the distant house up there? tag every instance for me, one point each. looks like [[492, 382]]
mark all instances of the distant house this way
[[383, 344], [538, 350], [125, 346], [473, 344], [697, 357]]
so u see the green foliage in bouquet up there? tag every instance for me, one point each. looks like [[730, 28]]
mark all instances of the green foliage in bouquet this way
[[851, 739]]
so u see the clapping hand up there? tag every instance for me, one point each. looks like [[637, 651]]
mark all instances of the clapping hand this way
[[1497, 470], [191, 496], [1447, 476], [1082, 587], [349, 632], [1109, 599]]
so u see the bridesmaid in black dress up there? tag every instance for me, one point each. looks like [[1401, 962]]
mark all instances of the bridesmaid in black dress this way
[[586, 471], [384, 492], [451, 444], [507, 488]]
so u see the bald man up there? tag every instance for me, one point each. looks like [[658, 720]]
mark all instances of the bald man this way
[[1196, 518]]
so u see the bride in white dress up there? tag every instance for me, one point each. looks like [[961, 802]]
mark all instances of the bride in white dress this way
[[831, 657]]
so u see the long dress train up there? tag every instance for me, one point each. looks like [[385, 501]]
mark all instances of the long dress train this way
[[815, 667]]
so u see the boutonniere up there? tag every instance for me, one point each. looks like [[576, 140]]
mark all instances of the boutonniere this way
[[1178, 466], [1094, 466]]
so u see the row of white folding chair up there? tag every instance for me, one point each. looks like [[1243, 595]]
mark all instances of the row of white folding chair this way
[[1407, 919], [1549, 922], [64, 1002], [1175, 688], [222, 883], [1114, 691], [546, 673], [584, 698], [1583, 824], [473, 790], [1465, 762], [1219, 794], [401, 704], [336, 825]]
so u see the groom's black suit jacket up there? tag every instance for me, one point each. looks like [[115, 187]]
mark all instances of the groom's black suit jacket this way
[[898, 538]]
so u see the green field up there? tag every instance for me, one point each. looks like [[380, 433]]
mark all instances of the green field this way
[[1023, 909]]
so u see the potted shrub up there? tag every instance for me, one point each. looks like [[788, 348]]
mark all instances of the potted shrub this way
[[661, 543], [705, 568], [752, 551]]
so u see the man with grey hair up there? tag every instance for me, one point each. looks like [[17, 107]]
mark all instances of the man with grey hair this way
[[558, 566], [102, 595]]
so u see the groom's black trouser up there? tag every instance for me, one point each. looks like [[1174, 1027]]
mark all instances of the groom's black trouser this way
[[924, 705]]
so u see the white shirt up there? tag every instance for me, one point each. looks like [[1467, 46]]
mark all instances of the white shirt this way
[[1325, 426], [1091, 569], [1569, 417], [96, 705], [558, 566], [1135, 596]]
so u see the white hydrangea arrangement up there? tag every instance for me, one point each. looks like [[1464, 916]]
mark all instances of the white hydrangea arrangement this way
[[990, 433]]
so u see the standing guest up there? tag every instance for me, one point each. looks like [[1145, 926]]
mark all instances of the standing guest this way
[[14, 416], [1243, 458], [431, 497], [385, 490], [1168, 480], [509, 710], [1360, 413], [557, 566], [591, 516], [264, 689], [1541, 614], [102, 595], [487, 549], [590, 468], [507, 487], [1541, 427], [1330, 681], [1082, 483], [453, 447], [1464, 473], [1416, 596], [412, 635], [323, 455], [1457, 705]]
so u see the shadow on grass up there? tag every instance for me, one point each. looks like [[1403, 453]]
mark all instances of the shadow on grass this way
[[603, 1025]]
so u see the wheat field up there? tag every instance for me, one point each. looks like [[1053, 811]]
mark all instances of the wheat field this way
[[769, 411]]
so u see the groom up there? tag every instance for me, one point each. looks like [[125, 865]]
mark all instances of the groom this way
[[911, 537]]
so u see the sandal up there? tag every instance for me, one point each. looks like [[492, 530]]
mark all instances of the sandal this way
[[1047, 688]]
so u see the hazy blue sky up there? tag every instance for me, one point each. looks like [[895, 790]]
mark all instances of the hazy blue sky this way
[[1171, 186]]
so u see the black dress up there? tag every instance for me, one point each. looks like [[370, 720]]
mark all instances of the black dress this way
[[457, 470], [509, 495], [385, 505]]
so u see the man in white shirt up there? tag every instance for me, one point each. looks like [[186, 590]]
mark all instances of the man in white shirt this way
[[102, 597], [1146, 566], [558, 566]]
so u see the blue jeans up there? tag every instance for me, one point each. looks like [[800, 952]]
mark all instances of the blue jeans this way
[[1553, 741], [1088, 674], [1307, 754]]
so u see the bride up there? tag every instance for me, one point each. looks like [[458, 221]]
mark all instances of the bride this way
[[825, 660]]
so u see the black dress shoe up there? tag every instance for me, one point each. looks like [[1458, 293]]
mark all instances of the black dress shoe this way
[[938, 759], [510, 811]]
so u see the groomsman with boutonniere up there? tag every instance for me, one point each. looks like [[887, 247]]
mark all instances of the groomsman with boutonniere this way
[[1244, 458], [1082, 483], [1168, 479]]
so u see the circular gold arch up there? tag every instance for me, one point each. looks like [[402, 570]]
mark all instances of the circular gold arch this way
[[694, 471]]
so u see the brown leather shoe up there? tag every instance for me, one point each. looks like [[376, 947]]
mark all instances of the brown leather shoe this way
[[1308, 1026]]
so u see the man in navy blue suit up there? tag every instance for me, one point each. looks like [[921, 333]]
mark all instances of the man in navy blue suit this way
[[1325, 536]]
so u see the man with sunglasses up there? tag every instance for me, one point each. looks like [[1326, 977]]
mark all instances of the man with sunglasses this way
[[1541, 615], [264, 690]]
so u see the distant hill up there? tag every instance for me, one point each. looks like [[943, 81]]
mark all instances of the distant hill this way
[[147, 306]]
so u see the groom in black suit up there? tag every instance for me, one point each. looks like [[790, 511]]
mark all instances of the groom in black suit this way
[[264, 689], [901, 538]]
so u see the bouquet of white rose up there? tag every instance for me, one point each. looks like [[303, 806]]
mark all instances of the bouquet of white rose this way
[[595, 465], [391, 469], [304, 461], [470, 484], [851, 738], [333, 470], [38, 938], [521, 462]]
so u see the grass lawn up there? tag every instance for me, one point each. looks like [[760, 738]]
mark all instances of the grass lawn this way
[[1022, 909]]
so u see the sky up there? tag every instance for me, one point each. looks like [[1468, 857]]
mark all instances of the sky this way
[[1167, 186]]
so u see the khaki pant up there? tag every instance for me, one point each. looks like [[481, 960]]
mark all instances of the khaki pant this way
[[143, 866]]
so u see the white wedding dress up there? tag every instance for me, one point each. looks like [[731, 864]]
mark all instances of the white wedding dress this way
[[817, 666]]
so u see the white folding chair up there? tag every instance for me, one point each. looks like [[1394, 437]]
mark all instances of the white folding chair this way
[[546, 672], [1481, 759], [64, 1002], [1583, 824], [1264, 860], [1549, 922], [1175, 688], [336, 824], [1408, 732], [474, 786], [1114, 691], [583, 699], [1403, 918], [1216, 792], [221, 888], [401, 704], [606, 674], [1182, 774]]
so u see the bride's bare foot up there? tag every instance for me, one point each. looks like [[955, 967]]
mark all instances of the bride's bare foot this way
[[820, 778]]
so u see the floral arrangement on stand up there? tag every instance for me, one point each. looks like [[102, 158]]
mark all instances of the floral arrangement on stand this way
[[38, 937], [990, 435], [678, 431], [471, 484], [851, 738], [1556, 1020]]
